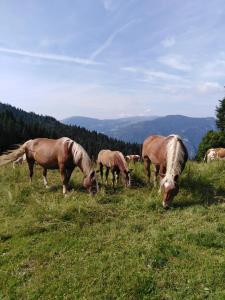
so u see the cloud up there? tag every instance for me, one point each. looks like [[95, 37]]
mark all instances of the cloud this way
[[150, 75], [168, 42], [209, 87], [110, 39], [175, 61], [49, 56]]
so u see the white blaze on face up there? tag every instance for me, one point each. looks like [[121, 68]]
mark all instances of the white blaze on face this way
[[166, 185]]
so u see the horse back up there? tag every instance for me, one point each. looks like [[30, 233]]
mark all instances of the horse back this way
[[49, 153]]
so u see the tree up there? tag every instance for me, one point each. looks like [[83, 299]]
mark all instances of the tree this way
[[220, 115], [212, 139]]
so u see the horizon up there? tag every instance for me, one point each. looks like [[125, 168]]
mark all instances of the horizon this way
[[110, 59]]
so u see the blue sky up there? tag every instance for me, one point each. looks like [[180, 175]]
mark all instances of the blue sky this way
[[112, 58]]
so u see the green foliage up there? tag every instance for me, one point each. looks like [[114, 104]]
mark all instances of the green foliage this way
[[220, 115], [18, 126], [213, 139], [118, 245]]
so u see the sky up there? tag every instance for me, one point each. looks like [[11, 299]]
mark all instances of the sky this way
[[112, 58]]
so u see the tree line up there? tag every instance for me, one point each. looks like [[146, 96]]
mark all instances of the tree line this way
[[214, 139], [18, 126]]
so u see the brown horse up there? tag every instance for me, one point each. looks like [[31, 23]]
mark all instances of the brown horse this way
[[115, 161], [63, 154], [169, 155]]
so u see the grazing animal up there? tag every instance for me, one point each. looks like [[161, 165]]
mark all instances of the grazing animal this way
[[19, 160], [115, 161], [214, 153], [169, 155], [63, 154], [133, 157]]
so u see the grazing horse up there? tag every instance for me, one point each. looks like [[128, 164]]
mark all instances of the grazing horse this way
[[169, 155], [214, 153], [19, 160], [63, 154], [115, 161], [133, 157]]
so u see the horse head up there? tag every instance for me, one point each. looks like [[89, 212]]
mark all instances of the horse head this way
[[127, 177], [90, 183], [169, 188]]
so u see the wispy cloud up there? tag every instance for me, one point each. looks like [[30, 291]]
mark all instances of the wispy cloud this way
[[150, 75], [110, 39], [49, 56], [168, 42], [209, 87], [176, 62]]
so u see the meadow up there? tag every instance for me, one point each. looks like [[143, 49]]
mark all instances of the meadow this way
[[117, 245]]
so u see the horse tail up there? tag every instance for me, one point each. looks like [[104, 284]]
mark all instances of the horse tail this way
[[12, 155]]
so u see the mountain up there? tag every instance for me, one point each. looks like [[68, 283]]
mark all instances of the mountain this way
[[18, 126], [136, 129], [107, 126]]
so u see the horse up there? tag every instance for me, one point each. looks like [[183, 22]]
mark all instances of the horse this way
[[19, 160], [169, 156], [63, 154], [115, 161], [133, 157], [214, 153]]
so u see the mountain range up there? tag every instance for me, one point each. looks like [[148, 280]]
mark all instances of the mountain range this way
[[136, 129]]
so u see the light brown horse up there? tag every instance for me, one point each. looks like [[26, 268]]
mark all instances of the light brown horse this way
[[214, 154], [169, 155], [132, 157], [63, 154], [115, 161]]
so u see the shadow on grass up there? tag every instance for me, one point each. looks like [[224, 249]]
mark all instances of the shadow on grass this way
[[200, 191]]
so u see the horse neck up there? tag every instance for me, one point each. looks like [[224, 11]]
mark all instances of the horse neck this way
[[175, 158], [121, 164], [81, 159]]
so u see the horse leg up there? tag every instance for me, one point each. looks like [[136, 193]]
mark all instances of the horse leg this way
[[68, 174], [147, 163], [101, 171], [156, 173], [31, 168], [44, 173], [113, 178], [63, 177], [107, 175], [117, 176]]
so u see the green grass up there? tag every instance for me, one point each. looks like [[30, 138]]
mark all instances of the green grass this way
[[117, 245]]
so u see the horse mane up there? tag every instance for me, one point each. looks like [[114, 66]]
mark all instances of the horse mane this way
[[120, 161], [176, 157], [80, 156]]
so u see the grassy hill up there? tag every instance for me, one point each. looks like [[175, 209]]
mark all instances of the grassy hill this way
[[117, 245]]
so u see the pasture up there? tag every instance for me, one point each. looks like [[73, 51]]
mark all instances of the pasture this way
[[117, 245]]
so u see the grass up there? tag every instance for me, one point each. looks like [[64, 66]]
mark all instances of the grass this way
[[118, 245]]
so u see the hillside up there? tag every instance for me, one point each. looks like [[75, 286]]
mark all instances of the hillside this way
[[17, 126], [118, 245], [136, 129]]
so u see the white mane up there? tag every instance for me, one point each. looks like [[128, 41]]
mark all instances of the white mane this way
[[175, 159]]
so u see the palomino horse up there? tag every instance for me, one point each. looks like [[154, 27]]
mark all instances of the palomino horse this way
[[214, 153], [169, 155], [115, 161], [63, 154], [133, 157]]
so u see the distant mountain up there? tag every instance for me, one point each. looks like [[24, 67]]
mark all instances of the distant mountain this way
[[136, 129], [18, 126], [107, 126]]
